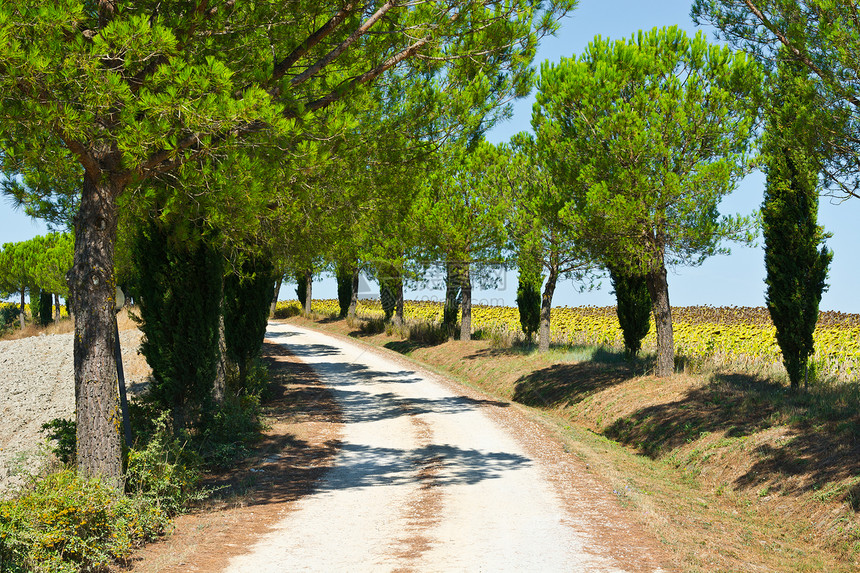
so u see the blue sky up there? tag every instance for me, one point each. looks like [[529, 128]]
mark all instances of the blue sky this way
[[721, 281]]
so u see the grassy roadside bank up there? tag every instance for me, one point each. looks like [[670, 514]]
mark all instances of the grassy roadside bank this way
[[732, 473]]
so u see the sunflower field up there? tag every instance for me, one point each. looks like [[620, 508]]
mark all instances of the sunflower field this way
[[741, 337]]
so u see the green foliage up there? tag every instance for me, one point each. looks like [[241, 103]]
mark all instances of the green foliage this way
[[528, 294], [344, 288], [62, 433], [302, 288], [43, 312], [247, 298], [63, 524], [796, 258], [233, 425], [822, 38], [633, 308], [178, 288], [164, 471]]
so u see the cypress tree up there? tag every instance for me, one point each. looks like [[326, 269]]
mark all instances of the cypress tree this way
[[387, 296], [633, 307], [247, 297], [46, 303], [179, 289], [796, 258], [344, 275], [453, 296], [302, 288], [528, 293]]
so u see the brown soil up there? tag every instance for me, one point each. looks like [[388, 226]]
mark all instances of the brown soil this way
[[296, 450]]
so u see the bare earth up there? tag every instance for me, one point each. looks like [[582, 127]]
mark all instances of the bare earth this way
[[431, 478]]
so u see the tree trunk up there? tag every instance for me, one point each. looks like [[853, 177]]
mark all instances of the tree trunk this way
[[123, 400], [466, 302], [274, 305], [309, 281], [21, 316], [93, 287], [546, 309], [353, 301], [398, 300], [56, 307], [658, 288], [219, 385], [452, 287]]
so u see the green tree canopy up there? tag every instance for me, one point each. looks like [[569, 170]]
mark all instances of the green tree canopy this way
[[824, 37], [143, 90]]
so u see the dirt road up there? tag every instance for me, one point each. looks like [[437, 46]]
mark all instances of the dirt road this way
[[429, 479]]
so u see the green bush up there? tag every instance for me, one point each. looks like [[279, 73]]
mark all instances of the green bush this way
[[229, 429], [164, 471], [286, 310], [63, 523]]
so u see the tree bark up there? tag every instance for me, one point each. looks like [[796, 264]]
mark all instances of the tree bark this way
[[21, 316], [353, 301], [309, 281], [546, 309], [658, 288], [452, 287], [398, 300], [466, 302], [219, 385], [123, 400], [93, 288], [56, 307], [274, 305]]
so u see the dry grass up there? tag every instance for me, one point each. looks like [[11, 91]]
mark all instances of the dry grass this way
[[731, 471], [65, 325]]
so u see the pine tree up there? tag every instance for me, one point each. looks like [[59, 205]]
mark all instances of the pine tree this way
[[796, 258]]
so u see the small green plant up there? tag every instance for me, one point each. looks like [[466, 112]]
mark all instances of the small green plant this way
[[226, 433], [164, 470], [62, 433]]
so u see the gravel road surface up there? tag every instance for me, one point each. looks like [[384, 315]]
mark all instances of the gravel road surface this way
[[426, 480]]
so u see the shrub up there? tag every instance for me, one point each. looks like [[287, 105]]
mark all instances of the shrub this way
[[64, 523], [164, 471], [286, 310], [229, 429]]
